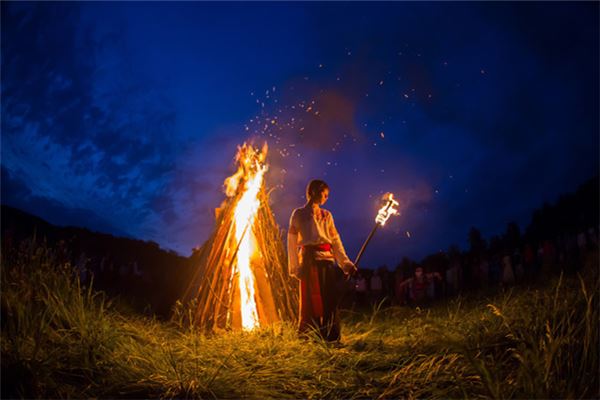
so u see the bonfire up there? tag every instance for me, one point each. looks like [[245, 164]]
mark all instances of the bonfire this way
[[241, 280]]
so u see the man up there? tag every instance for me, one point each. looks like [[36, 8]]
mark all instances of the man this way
[[313, 231]]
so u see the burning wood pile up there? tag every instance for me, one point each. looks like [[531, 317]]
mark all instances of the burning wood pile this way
[[242, 280]]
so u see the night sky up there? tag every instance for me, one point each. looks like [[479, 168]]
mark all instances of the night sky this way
[[125, 117]]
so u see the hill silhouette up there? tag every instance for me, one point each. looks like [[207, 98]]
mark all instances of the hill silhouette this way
[[149, 279]]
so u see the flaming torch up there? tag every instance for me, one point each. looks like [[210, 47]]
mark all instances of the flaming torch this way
[[383, 215]]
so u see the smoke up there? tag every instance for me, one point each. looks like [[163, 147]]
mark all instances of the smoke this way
[[414, 197]]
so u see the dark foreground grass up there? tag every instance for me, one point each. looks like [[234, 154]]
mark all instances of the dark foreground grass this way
[[61, 340]]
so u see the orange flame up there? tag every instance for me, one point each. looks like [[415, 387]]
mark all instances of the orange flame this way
[[387, 210], [250, 174]]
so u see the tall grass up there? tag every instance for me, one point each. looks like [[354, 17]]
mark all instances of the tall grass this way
[[62, 340]]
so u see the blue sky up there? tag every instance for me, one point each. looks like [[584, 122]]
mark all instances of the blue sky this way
[[125, 117]]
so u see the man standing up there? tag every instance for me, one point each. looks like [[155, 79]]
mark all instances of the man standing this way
[[313, 231]]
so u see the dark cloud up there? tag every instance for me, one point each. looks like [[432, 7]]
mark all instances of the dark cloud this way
[[16, 193], [116, 139], [50, 83]]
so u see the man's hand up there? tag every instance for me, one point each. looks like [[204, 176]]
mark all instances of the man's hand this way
[[349, 268]]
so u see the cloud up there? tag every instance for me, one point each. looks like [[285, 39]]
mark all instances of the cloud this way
[[17, 194], [79, 140]]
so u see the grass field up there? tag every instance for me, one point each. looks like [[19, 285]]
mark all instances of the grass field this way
[[61, 340]]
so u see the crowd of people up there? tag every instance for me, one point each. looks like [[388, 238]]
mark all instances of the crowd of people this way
[[451, 273]]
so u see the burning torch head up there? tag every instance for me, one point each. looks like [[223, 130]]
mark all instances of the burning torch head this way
[[388, 209]]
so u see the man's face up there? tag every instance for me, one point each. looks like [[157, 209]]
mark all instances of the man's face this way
[[323, 196], [419, 272]]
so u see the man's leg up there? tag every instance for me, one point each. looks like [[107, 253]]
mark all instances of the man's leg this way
[[311, 307], [331, 323]]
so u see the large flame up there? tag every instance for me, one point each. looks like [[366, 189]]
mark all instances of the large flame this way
[[388, 209], [250, 173]]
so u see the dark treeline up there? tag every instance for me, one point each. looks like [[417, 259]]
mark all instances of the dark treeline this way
[[560, 237], [150, 279], [146, 277]]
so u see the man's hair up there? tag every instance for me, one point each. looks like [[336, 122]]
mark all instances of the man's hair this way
[[315, 187]]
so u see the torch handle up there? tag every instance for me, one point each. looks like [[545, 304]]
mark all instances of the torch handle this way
[[364, 246]]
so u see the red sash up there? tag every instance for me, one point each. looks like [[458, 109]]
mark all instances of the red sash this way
[[318, 247]]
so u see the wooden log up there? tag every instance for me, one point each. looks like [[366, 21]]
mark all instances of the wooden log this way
[[217, 294]]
